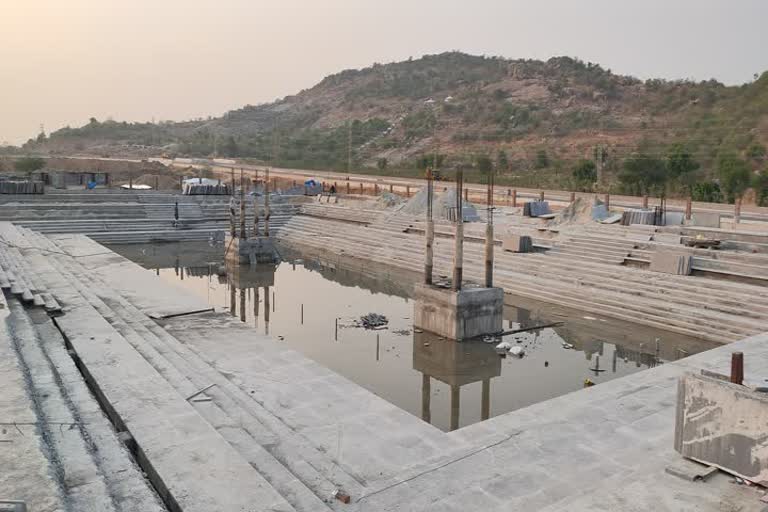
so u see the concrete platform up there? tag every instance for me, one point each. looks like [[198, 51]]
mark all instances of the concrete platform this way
[[458, 315]]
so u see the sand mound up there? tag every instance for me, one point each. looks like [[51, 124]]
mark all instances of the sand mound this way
[[443, 203], [161, 181]]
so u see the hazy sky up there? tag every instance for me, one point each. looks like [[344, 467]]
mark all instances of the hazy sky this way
[[63, 61]]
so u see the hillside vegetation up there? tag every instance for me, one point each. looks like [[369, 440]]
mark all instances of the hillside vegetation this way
[[553, 123]]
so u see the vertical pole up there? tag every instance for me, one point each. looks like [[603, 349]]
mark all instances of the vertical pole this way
[[458, 254], [347, 187], [375, 189], [485, 400], [361, 188], [302, 314], [255, 216], [391, 188], [243, 234], [242, 304], [645, 201], [266, 310], [688, 208], [430, 230], [573, 197], [256, 307], [737, 211], [541, 196], [489, 234], [157, 182], [407, 191], [232, 175], [737, 368], [514, 198], [455, 407], [607, 201], [130, 182], [466, 194], [266, 203], [426, 396]]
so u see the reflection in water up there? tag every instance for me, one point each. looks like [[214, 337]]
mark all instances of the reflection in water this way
[[447, 384]]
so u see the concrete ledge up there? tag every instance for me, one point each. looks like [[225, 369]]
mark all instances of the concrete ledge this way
[[671, 263]]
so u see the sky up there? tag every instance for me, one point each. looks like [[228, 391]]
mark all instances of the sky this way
[[64, 61]]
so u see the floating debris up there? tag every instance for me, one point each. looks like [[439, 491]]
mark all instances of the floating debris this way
[[402, 332], [567, 346], [373, 321], [517, 350]]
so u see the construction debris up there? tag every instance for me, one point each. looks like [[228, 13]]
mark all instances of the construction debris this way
[[372, 321]]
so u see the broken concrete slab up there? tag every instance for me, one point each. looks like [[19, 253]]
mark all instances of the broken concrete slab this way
[[724, 425]]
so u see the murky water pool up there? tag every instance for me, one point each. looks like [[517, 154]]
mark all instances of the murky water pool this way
[[312, 305]]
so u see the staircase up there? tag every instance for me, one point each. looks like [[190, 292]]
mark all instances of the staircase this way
[[584, 279]]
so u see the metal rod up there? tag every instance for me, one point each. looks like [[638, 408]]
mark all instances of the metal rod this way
[[266, 203], [243, 234]]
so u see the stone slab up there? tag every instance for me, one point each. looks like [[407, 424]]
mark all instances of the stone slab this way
[[517, 243], [140, 286], [184, 456], [671, 263], [706, 219], [724, 425], [468, 313]]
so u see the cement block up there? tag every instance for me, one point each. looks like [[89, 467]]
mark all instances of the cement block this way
[[461, 315], [707, 220], [671, 263], [517, 243], [674, 218], [724, 425], [253, 250], [668, 238]]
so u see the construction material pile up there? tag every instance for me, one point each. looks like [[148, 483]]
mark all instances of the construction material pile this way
[[443, 206], [21, 187], [536, 208]]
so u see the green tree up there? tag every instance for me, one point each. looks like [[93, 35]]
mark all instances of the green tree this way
[[29, 164], [483, 164], [643, 174], [707, 191], [585, 174], [761, 188], [735, 176], [542, 160], [502, 162], [381, 163], [680, 162]]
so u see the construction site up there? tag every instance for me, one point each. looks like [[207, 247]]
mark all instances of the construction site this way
[[277, 340]]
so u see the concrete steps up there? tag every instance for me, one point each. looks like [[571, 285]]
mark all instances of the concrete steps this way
[[292, 467], [187, 468], [708, 309]]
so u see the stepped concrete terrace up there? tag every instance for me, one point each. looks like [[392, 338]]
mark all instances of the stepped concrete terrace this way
[[135, 396], [133, 217], [581, 270]]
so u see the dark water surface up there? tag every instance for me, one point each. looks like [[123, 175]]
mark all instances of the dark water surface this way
[[449, 384]]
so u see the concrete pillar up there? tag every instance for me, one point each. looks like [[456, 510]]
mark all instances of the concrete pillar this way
[[466, 194], [458, 254], [688, 208], [607, 201], [541, 195], [737, 211], [375, 189], [243, 234], [232, 308], [407, 191], [514, 198], [455, 407], [266, 310], [348, 188], [737, 368], [430, 231], [266, 204], [231, 175], [361, 188], [485, 400], [426, 397], [256, 306], [509, 194], [242, 304], [391, 188], [573, 197], [157, 182], [489, 245], [645, 201]]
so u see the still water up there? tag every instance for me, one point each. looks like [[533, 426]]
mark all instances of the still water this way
[[312, 305]]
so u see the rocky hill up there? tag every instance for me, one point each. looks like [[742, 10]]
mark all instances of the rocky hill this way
[[542, 115]]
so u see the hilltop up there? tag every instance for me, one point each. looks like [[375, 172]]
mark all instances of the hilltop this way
[[544, 115]]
